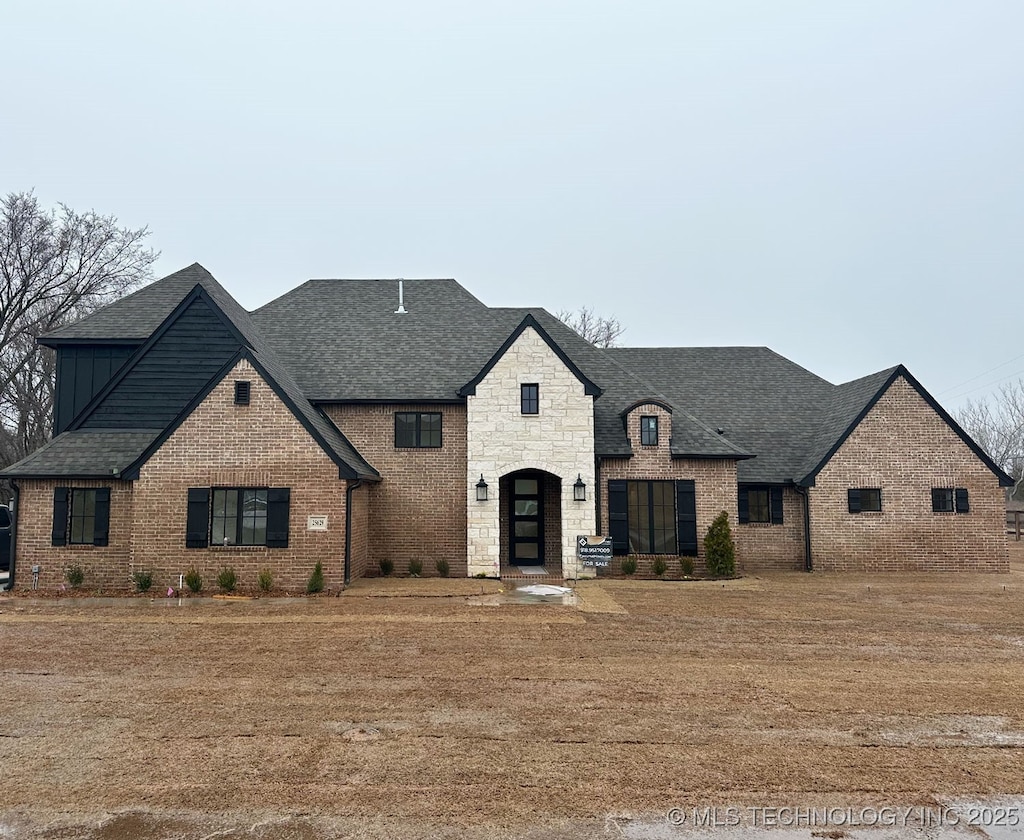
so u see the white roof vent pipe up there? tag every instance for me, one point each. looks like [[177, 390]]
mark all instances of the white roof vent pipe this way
[[401, 298]]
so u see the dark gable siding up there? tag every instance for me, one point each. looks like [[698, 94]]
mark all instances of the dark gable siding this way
[[81, 374], [171, 373]]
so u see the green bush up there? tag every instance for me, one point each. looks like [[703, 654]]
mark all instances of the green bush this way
[[442, 567], [719, 547], [74, 575], [387, 566], [687, 566], [316, 580], [193, 580], [629, 565], [227, 580], [660, 566], [265, 580], [415, 567], [143, 580]]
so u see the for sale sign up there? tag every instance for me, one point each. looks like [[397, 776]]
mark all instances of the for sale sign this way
[[594, 551]]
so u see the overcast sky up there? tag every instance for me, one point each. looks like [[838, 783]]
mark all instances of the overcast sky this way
[[843, 182]]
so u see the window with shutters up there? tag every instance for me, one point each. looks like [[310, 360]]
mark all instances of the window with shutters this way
[[652, 517], [950, 500], [238, 516], [417, 430], [81, 516], [760, 504], [864, 499]]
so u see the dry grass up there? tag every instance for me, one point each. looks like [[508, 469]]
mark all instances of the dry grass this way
[[384, 708]]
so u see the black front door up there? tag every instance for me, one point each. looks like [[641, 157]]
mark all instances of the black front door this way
[[527, 521]]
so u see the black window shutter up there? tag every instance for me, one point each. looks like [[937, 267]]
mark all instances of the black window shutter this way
[[60, 516], [197, 529], [743, 503], [962, 503], [101, 520], [776, 505], [278, 503], [618, 517], [936, 500], [686, 517], [853, 500]]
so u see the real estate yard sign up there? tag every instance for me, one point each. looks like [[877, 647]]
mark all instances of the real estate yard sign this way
[[595, 552]]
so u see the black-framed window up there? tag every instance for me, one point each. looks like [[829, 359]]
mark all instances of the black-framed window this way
[[417, 430], [529, 398], [950, 500], [864, 499], [760, 503], [81, 516], [239, 516], [652, 517], [648, 431]]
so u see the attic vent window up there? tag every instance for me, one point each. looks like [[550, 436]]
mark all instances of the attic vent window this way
[[242, 390]]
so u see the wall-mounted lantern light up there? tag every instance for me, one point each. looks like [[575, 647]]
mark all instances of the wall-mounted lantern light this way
[[579, 489], [481, 489]]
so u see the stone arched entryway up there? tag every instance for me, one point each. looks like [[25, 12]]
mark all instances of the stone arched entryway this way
[[530, 520]]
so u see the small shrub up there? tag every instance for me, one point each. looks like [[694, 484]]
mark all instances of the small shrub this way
[[227, 580], [719, 547], [481, 575], [193, 580], [687, 564], [442, 567], [629, 566], [415, 567], [265, 580], [316, 580], [143, 580], [660, 566], [74, 575], [387, 566]]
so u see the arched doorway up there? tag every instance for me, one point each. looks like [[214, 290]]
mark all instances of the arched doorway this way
[[530, 509]]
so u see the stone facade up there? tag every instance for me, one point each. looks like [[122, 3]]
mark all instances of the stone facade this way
[[903, 447], [558, 440], [418, 509]]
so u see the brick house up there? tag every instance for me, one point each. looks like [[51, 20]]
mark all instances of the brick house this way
[[355, 421]]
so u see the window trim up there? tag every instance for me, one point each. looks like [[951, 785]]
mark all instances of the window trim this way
[[646, 436], [855, 497], [650, 505], [418, 430], [88, 522], [529, 404], [239, 515]]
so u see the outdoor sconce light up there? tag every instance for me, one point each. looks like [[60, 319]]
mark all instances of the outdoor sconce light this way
[[481, 489], [579, 489]]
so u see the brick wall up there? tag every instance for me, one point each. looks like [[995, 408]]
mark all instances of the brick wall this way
[[360, 539], [905, 448], [419, 508], [766, 547], [258, 445], [714, 480], [105, 567]]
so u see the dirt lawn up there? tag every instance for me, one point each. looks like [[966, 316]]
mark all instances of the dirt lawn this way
[[400, 709]]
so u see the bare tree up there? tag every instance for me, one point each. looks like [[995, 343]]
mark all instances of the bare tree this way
[[599, 331], [997, 425], [55, 267]]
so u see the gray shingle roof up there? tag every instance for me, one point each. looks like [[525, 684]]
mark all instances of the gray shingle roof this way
[[136, 316], [85, 454], [764, 403], [92, 453]]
